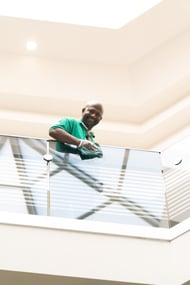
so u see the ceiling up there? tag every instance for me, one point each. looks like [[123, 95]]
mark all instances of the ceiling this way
[[98, 45], [158, 114]]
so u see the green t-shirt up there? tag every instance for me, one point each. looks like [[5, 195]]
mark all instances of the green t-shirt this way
[[74, 127]]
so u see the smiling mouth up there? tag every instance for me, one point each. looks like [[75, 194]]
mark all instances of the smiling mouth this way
[[91, 119]]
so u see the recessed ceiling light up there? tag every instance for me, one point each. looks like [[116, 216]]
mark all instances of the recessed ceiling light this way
[[111, 14], [31, 45]]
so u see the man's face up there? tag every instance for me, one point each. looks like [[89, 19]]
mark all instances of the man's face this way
[[92, 115]]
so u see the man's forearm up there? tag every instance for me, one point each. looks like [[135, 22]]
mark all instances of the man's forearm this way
[[64, 137]]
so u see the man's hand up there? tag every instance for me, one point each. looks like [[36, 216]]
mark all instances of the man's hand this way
[[89, 145]]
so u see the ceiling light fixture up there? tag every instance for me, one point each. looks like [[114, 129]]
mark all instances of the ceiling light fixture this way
[[31, 45]]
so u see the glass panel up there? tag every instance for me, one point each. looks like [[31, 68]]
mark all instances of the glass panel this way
[[23, 180], [176, 172], [77, 185], [125, 186], [142, 186]]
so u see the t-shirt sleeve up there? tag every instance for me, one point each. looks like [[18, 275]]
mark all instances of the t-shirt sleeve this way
[[65, 124]]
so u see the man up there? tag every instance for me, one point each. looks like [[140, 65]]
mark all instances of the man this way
[[69, 131]]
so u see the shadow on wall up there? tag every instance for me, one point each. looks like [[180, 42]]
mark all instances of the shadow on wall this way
[[23, 278]]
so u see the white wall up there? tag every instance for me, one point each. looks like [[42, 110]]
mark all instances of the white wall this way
[[42, 245]]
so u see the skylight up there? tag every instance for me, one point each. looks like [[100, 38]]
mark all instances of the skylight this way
[[112, 14]]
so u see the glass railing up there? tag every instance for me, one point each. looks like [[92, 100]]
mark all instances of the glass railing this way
[[177, 182], [126, 186], [23, 178]]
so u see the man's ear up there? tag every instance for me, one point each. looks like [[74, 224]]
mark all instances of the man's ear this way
[[83, 109]]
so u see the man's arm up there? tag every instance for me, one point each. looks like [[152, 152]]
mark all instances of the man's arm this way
[[64, 137]]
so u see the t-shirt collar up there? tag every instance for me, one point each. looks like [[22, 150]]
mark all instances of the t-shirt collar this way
[[84, 125], [88, 131]]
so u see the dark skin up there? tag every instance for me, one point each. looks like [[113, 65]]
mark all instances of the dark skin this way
[[91, 115]]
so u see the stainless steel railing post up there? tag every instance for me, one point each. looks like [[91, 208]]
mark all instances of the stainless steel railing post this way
[[48, 158]]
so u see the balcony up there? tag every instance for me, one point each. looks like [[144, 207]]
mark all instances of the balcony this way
[[78, 213]]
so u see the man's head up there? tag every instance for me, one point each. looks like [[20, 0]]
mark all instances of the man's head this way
[[92, 114]]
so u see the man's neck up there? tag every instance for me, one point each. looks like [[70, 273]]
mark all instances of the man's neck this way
[[85, 126]]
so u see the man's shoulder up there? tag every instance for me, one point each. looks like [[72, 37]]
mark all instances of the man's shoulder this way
[[69, 120]]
